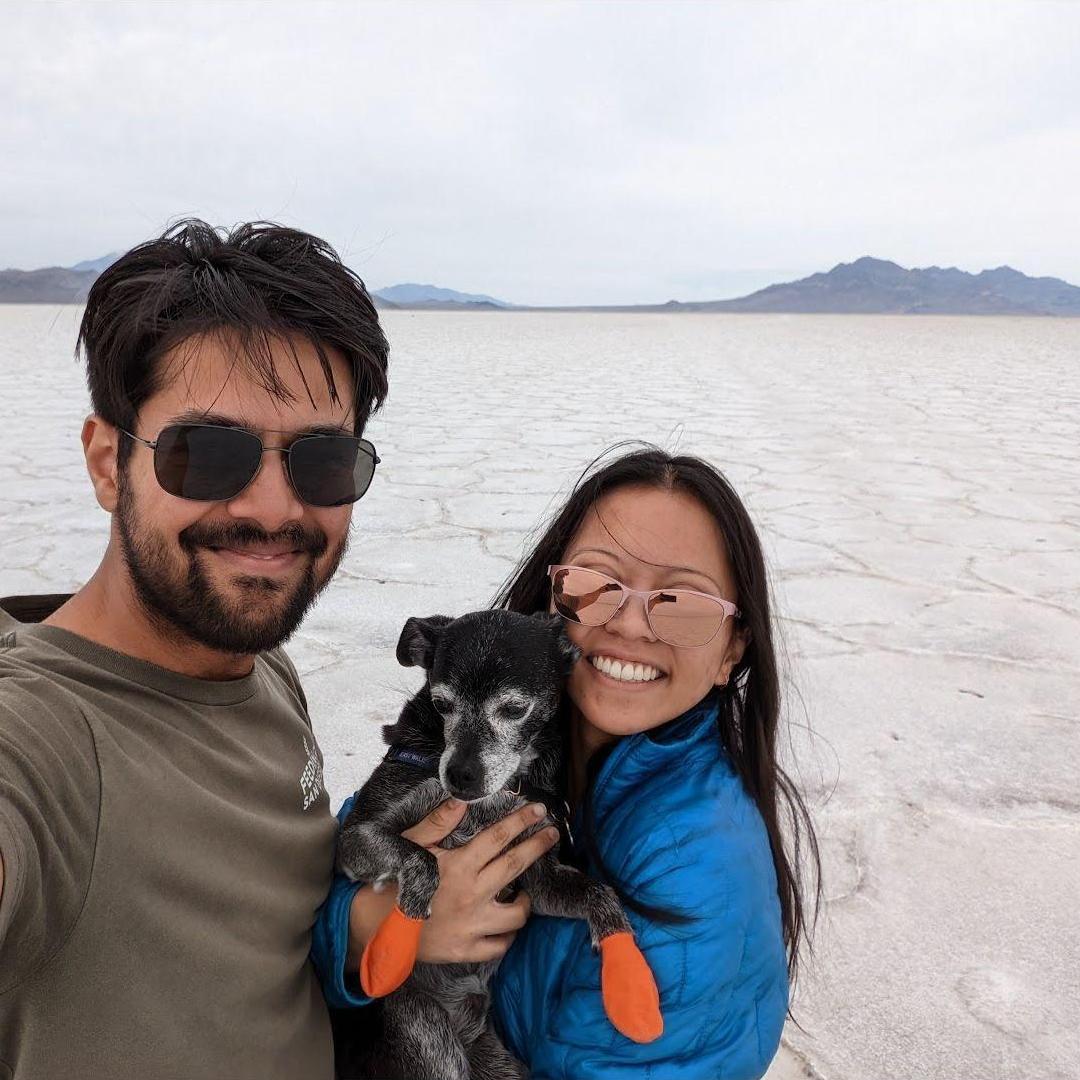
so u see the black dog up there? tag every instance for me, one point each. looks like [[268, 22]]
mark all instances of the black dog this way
[[483, 730]]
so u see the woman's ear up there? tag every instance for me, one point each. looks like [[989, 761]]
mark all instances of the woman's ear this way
[[733, 654], [101, 443]]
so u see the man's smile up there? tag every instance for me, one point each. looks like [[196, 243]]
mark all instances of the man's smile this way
[[260, 559]]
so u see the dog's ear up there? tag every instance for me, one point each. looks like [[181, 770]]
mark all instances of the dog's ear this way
[[567, 653], [416, 646]]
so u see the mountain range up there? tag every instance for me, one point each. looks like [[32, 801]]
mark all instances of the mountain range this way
[[866, 286], [424, 296], [878, 287]]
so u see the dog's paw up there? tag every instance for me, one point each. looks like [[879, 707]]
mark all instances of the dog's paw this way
[[390, 955], [631, 999]]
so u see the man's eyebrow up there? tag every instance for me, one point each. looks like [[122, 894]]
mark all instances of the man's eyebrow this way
[[197, 416], [659, 566]]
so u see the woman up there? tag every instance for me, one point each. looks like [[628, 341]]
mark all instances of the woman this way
[[669, 731], [672, 777]]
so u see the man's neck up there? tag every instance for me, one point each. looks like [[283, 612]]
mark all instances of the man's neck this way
[[107, 611]]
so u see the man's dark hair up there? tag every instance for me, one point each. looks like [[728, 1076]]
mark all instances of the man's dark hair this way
[[256, 283]]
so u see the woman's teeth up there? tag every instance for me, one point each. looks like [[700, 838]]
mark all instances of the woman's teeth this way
[[624, 671]]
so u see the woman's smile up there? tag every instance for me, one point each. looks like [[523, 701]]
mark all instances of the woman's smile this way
[[624, 671]]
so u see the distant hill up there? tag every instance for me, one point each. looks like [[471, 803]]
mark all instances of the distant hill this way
[[52, 285], [866, 287], [98, 264], [70, 284], [876, 286], [412, 295]]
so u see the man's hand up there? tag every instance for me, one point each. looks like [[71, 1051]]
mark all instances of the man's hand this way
[[467, 923]]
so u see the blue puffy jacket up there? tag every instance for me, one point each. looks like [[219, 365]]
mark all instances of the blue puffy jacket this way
[[674, 822]]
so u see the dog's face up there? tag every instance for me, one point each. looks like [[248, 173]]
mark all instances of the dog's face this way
[[495, 678]]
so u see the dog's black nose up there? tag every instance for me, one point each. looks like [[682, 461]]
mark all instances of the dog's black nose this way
[[464, 777]]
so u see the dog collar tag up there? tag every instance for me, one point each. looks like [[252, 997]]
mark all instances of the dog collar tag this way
[[428, 762]]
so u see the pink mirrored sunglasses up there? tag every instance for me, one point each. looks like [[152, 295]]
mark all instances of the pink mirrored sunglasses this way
[[682, 617]]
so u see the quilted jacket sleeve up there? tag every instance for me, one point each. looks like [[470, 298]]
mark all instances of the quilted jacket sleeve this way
[[330, 939], [720, 1017]]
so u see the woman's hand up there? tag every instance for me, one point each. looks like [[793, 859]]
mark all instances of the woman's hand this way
[[467, 923]]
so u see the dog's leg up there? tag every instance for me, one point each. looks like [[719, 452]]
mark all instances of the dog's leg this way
[[631, 999], [365, 849], [423, 1038], [373, 850], [557, 889], [490, 1060]]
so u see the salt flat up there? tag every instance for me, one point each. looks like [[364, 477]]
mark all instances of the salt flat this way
[[917, 485]]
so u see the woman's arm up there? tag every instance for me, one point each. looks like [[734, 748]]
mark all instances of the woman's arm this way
[[330, 938], [467, 924], [722, 977]]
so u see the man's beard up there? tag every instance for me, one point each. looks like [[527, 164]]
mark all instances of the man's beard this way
[[189, 604]]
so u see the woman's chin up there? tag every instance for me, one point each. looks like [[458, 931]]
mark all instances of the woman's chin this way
[[618, 708], [617, 718]]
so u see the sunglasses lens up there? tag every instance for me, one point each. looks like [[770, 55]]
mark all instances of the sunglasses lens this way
[[684, 618], [204, 462], [331, 470], [585, 596]]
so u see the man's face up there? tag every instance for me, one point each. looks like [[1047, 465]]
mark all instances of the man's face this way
[[235, 576]]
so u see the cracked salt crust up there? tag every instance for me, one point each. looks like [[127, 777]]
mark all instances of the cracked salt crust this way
[[917, 485]]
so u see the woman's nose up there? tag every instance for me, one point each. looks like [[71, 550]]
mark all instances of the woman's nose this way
[[631, 620]]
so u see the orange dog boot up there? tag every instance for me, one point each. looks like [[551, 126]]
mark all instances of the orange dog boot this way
[[631, 999], [390, 955]]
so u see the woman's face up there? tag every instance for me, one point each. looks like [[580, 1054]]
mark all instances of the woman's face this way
[[648, 538]]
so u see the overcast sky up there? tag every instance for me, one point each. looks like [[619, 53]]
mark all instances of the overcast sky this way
[[553, 152]]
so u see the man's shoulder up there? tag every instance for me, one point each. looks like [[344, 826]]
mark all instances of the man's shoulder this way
[[27, 677], [33, 670], [40, 709]]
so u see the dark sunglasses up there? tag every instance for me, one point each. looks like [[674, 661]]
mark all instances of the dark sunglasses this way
[[213, 463]]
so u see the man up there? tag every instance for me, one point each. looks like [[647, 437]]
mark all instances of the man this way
[[165, 838]]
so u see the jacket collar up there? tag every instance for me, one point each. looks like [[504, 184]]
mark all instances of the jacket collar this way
[[638, 756]]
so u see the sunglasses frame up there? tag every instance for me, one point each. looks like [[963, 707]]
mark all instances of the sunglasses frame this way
[[364, 445], [730, 610]]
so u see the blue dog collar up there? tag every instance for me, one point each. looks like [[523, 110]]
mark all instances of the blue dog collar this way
[[427, 762]]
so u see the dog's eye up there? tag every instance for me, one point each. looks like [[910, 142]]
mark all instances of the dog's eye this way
[[513, 712], [443, 704]]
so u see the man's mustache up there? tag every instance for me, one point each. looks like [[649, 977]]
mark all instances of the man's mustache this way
[[242, 534]]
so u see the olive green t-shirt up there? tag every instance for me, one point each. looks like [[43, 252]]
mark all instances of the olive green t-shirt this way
[[166, 842]]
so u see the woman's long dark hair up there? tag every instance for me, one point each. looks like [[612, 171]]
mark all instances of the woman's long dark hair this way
[[750, 703]]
